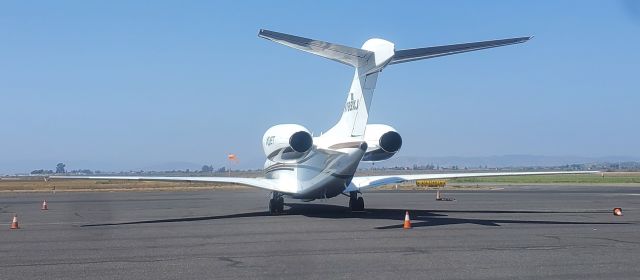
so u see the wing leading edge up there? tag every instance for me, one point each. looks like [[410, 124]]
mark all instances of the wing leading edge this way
[[260, 183], [367, 182]]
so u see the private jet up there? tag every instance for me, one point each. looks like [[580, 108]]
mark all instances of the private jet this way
[[301, 166]]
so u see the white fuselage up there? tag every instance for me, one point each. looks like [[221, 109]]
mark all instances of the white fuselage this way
[[325, 172]]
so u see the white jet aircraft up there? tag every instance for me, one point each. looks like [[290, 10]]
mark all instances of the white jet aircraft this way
[[304, 167]]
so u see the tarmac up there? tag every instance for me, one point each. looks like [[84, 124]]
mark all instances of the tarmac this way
[[523, 232]]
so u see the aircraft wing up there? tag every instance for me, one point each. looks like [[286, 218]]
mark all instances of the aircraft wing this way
[[366, 182], [261, 183]]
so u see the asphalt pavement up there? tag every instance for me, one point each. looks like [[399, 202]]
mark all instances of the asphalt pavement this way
[[525, 232]]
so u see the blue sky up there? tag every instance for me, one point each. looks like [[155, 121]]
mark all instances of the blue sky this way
[[115, 85]]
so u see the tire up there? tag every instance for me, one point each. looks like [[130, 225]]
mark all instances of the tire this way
[[273, 207], [353, 201], [280, 204], [360, 204]]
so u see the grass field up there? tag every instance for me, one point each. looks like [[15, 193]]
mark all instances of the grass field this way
[[609, 178], [38, 184]]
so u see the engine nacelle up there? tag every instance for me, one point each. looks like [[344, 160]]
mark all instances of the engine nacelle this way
[[383, 142], [286, 142]]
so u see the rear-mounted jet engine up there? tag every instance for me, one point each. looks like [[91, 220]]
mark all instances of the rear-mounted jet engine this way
[[383, 142], [286, 143]]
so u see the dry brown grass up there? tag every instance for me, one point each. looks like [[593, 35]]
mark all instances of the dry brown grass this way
[[38, 184]]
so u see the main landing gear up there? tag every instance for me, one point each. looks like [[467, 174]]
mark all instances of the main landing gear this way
[[356, 203], [276, 203]]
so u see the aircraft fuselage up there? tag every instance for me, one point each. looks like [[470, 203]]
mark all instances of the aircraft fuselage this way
[[323, 173]]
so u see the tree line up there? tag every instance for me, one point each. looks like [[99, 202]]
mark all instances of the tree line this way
[[60, 169]]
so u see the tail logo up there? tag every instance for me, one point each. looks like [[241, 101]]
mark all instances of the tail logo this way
[[352, 104]]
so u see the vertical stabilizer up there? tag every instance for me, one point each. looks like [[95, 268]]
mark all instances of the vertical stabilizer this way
[[356, 109]]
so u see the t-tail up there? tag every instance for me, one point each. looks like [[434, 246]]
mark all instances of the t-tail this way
[[368, 61]]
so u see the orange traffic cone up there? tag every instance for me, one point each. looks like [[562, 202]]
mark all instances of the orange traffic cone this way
[[407, 221], [44, 205], [14, 224], [617, 211]]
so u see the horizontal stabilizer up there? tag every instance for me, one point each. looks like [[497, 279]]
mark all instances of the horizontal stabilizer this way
[[431, 52], [343, 54]]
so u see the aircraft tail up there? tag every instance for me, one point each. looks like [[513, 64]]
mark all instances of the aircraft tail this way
[[368, 61]]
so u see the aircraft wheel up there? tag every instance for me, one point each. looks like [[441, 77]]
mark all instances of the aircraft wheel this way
[[281, 204], [273, 209], [353, 201], [276, 205], [356, 204], [360, 204]]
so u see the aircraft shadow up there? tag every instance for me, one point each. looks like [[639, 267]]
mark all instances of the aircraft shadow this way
[[189, 219], [423, 218], [420, 218]]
